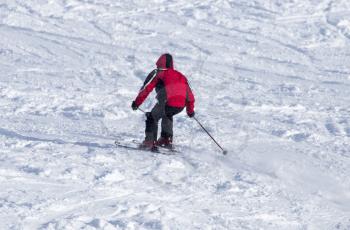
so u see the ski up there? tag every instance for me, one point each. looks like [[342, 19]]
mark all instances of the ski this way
[[158, 147], [135, 146]]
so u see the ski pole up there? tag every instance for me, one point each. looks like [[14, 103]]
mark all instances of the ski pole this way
[[223, 150], [141, 110]]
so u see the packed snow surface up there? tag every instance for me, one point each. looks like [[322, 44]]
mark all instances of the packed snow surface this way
[[272, 85]]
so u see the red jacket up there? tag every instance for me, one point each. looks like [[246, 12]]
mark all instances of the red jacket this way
[[177, 89]]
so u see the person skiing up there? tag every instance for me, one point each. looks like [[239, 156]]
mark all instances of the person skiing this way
[[173, 95]]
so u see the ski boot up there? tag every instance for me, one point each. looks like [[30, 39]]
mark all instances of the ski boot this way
[[148, 145], [165, 142]]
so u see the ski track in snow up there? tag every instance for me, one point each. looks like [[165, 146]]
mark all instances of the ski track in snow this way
[[272, 84]]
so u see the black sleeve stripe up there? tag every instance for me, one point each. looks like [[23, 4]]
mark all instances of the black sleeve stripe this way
[[149, 78]]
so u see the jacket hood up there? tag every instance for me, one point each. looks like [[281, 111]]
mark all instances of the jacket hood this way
[[165, 61]]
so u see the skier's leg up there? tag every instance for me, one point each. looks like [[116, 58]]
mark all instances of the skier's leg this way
[[167, 127], [150, 126], [167, 121], [152, 122]]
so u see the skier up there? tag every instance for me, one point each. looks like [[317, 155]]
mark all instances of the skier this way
[[173, 94]]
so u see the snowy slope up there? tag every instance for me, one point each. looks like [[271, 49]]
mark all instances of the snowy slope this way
[[272, 83]]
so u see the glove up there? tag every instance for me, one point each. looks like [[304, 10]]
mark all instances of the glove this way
[[190, 114], [134, 106]]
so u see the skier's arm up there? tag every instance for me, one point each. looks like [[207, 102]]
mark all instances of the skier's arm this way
[[149, 78], [189, 100], [146, 90]]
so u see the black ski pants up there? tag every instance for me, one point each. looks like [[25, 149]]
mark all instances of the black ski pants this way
[[164, 112]]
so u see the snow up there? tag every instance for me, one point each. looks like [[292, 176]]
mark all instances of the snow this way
[[272, 85]]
